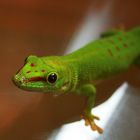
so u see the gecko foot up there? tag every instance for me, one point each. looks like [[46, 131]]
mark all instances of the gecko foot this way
[[89, 120]]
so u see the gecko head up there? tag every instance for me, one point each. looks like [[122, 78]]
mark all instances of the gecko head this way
[[45, 74]]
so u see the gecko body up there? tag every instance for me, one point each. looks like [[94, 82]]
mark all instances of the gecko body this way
[[113, 53]]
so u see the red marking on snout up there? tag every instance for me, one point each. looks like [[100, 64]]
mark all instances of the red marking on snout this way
[[35, 79], [32, 64]]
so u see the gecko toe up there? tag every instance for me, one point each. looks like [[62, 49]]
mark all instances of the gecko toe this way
[[89, 121]]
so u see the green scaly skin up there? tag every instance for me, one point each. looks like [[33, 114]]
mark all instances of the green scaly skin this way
[[76, 72]]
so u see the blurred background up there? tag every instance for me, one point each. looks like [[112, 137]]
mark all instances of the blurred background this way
[[49, 27]]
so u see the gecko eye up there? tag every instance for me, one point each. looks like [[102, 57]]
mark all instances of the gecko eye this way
[[52, 78]]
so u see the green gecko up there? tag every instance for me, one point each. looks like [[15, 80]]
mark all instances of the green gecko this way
[[79, 71]]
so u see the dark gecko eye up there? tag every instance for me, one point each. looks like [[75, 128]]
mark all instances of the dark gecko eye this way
[[52, 78]]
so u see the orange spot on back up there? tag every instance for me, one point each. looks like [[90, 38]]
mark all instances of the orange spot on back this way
[[117, 48], [127, 36], [111, 41], [120, 39], [125, 45], [110, 52]]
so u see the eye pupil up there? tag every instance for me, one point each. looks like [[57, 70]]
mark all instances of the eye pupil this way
[[52, 78]]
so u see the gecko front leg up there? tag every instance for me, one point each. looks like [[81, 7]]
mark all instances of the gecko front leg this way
[[89, 91]]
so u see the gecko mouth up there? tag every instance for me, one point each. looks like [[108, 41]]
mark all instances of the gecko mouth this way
[[31, 84], [37, 79]]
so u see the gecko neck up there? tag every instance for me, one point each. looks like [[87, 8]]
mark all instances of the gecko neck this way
[[71, 69]]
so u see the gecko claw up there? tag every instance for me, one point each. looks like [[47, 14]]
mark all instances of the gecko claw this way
[[89, 120]]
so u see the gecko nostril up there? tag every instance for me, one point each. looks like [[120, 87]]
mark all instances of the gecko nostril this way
[[28, 71]]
